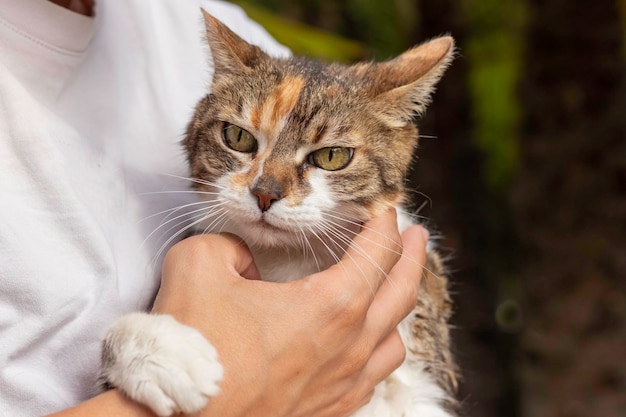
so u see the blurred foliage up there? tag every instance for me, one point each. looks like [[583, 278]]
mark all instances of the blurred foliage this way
[[385, 26], [304, 39], [342, 30], [494, 49]]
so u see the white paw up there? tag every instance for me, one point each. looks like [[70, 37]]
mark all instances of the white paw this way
[[161, 363]]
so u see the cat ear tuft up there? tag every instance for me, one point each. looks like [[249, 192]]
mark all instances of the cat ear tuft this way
[[230, 53], [403, 86]]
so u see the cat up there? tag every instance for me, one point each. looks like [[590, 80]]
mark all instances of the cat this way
[[299, 154]]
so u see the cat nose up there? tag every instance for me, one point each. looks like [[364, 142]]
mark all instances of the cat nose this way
[[266, 198]]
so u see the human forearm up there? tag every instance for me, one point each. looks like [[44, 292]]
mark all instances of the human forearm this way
[[108, 404]]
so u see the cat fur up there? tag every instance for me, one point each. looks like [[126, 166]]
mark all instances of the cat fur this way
[[292, 107]]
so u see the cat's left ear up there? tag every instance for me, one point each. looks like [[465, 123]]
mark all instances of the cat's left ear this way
[[403, 86], [231, 54]]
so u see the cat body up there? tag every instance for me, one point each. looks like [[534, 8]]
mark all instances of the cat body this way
[[294, 156]]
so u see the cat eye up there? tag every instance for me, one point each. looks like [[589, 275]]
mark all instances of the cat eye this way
[[331, 159], [239, 139]]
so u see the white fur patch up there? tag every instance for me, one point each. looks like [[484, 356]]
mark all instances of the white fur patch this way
[[288, 222], [167, 366], [408, 392]]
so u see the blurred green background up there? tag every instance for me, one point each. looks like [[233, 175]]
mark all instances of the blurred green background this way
[[522, 169]]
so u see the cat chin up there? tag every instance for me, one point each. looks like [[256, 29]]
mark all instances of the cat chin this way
[[266, 239], [262, 235]]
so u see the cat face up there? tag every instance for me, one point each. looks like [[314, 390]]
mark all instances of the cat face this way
[[288, 148]]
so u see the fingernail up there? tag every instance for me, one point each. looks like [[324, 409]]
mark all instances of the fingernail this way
[[425, 234]]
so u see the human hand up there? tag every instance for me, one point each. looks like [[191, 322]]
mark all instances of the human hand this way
[[315, 346]]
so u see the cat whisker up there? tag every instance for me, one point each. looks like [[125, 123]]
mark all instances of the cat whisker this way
[[300, 249], [341, 235], [402, 254], [345, 217], [327, 231], [194, 192], [360, 225], [301, 236], [224, 219], [194, 221], [202, 216], [173, 210], [215, 221], [332, 253], [372, 261], [185, 214], [415, 191], [415, 218], [208, 205], [317, 264], [195, 180], [302, 241], [355, 233]]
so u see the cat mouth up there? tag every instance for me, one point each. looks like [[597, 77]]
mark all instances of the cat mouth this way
[[262, 232], [265, 224]]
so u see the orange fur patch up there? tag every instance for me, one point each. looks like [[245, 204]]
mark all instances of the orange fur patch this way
[[277, 106], [286, 97], [255, 117]]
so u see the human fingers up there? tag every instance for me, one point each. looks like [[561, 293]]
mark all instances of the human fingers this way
[[242, 260], [386, 358], [372, 253], [202, 251], [200, 264], [398, 294]]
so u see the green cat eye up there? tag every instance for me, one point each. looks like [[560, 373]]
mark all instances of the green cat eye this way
[[239, 139], [331, 159]]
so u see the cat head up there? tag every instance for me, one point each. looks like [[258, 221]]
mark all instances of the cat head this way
[[286, 148]]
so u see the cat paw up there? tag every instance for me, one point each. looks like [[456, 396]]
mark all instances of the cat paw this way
[[165, 365]]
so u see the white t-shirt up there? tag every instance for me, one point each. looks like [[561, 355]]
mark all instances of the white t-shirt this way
[[92, 112]]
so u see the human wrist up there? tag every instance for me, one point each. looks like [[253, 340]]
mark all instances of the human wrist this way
[[109, 403]]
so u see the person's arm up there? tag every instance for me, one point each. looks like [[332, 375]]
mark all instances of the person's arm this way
[[316, 346], [111, 403]]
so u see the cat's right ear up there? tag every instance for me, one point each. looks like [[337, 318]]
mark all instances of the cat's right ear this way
[[403, 86], [231, 54]]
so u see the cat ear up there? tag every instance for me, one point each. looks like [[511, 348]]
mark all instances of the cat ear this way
[[403, 86], [230, 53]]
